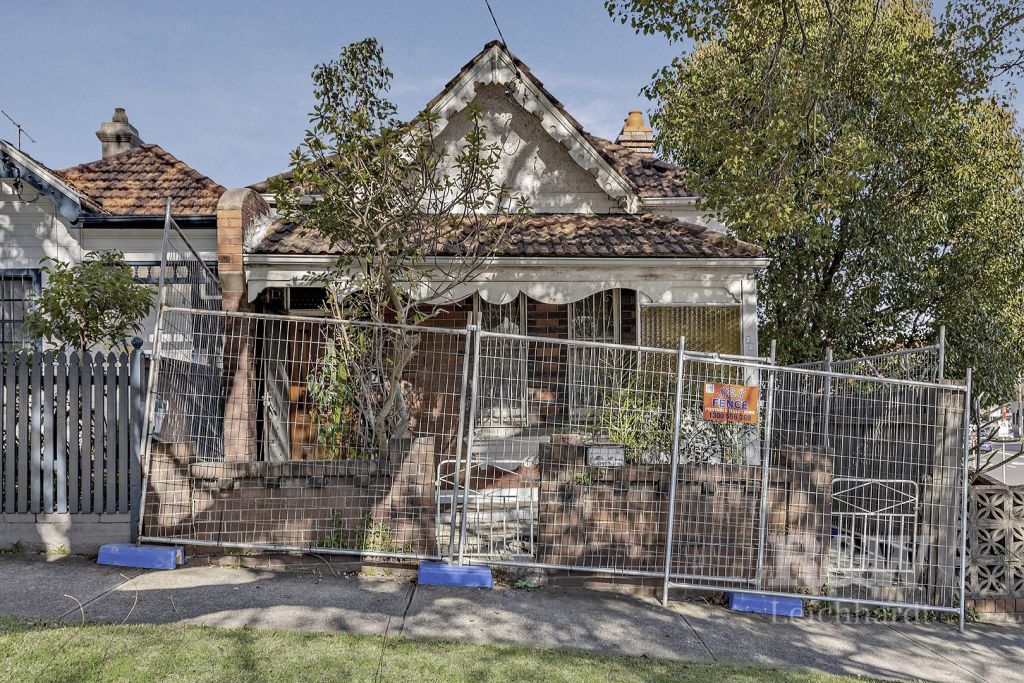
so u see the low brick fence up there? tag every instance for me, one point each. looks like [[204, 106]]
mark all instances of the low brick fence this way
[[618, 516], [385, 506]]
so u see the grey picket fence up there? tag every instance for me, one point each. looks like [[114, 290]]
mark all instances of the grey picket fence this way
[[71, 432]]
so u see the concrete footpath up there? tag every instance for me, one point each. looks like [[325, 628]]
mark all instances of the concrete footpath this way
[[74, 588]]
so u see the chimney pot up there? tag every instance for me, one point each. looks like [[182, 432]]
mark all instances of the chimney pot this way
[[117, 135], [636, 135], [635, 120]]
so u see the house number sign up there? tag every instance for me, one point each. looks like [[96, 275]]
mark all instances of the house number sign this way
[[730, 403]]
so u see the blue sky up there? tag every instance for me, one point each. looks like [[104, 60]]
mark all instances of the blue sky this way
[[224, 85]]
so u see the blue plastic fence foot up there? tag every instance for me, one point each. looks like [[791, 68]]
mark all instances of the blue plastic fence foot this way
[[766, 604], [444, 574], [142, 556]]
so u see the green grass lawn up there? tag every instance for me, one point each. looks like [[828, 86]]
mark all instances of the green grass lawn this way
[[46, 652]]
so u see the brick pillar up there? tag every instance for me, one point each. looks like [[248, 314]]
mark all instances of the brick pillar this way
[[237, 211]]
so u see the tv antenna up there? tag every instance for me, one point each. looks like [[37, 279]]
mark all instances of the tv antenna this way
[[21, 130]]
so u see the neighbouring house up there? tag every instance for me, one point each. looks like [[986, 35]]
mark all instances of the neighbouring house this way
[[614, 250], [115, 202]]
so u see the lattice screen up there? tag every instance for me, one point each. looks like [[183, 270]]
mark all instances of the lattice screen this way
[[712, 329]]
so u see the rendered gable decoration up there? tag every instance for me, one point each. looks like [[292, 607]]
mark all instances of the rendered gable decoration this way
[[496, 71]]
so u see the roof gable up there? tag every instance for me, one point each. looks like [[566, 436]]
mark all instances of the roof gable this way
[[139, 181], [495, 65], [532, 164], [624, 175], [69, 200]]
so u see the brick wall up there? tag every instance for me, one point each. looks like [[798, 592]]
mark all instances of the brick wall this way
[[237, 211], [384, 505], [617, 517]]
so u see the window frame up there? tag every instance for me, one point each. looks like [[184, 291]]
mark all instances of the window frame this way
[[34, 277], [520, 420]]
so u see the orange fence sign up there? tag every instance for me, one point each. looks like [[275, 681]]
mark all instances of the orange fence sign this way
[[730, 403]]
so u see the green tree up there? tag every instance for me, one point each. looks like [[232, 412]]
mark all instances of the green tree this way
[[96, 302], [411, 220], [869, 147]]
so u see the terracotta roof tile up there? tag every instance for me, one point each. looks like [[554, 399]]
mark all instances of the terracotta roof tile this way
[[567, 235], [652, 177], [138, 182]]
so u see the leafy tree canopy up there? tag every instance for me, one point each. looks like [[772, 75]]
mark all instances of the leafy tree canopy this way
[[411, 219], [869, 147], [94, 303]]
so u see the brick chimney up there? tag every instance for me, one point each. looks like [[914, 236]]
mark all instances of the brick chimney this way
[[117, 135], [237, 211], [636, 134]]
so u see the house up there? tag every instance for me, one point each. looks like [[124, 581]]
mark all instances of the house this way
[[614, 251], [115, 202]]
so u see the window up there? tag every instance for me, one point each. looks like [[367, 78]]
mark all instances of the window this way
[[15, 288], [593, 370], [596, 318], [502, 364]]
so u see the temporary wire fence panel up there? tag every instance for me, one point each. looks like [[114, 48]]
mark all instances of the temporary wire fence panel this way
[[578, 481], [308, 434], [922, 364], [861, 492], [707, 471]]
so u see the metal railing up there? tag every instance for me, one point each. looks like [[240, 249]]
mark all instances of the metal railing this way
[[923, 363]]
